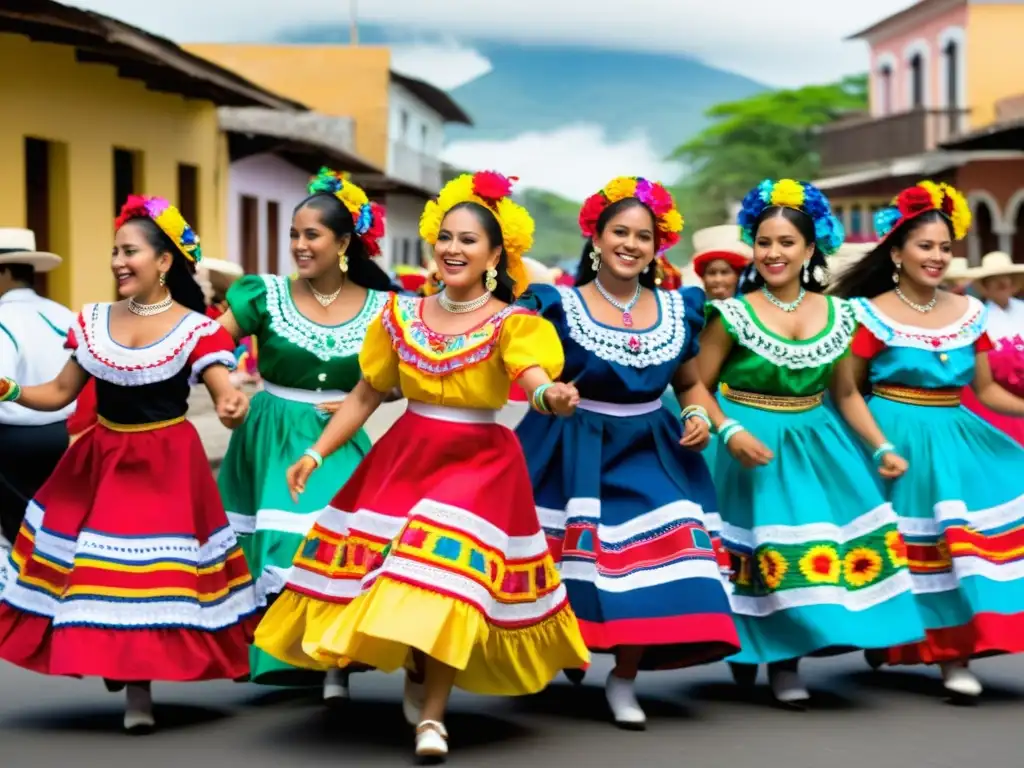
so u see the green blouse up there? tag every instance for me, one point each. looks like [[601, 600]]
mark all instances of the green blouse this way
[[293, 351], [766, 363]]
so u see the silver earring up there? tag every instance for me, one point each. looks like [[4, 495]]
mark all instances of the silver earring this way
[[896, 273], [807, 272], [595, 259], [647, 269]]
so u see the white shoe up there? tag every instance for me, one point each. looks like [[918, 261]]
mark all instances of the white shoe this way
[[138, 712], [336, 686], [431, 742], [787, 688], [626, 711], [959, 680], [413, 696]]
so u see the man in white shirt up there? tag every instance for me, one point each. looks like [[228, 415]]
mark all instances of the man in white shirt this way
[[32, 335], [998, 279]]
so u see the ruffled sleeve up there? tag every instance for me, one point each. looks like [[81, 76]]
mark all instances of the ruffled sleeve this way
[[247, 300], [983, 345], [528, 340], [378, 359], [717, 309], [693, 318], [215, 347], [865, 344]]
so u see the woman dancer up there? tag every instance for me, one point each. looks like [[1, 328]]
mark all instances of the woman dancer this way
[[431, 557], [816, 557], [962, 502], [620, 490], [309, 332], [126, 566], [998, 279]]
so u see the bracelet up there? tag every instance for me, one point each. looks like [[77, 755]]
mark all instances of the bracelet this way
[[537, 399], [315, 456], [9, 390], [881, 450], [695, 411], [731, 432], [726, 424]]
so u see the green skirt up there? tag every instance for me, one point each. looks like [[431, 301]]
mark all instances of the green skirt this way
[[269, 525]]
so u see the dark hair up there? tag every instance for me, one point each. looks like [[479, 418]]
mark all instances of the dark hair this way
[[871, 276], [492, 228], [750, 278], [21, 273], [362, 270], [180, 277], [585, 272]]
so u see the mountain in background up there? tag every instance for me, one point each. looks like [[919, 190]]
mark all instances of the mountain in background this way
[[542, 88]]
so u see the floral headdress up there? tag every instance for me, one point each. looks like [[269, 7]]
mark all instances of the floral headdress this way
[[668, 220], [368, 217], [799, 195], [923, 197], [165, 216], [493, 191]]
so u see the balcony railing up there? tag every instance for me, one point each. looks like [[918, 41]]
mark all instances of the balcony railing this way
[[414, 167], [847, 144]]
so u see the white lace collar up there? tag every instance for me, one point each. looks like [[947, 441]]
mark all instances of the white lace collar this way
[[105, 359], [326, 342], [823, 349], [634, 349], [960, 333]]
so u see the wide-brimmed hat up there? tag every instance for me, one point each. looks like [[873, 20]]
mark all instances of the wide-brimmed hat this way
[[958, 269], [18, 246], [221, 273], [994, 264], [721, 242]]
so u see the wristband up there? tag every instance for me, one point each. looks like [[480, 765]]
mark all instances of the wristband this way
[[726, 424], [881, 450], [732, 431], [315, 456], [695, 411], [9, 390], [538, 398]]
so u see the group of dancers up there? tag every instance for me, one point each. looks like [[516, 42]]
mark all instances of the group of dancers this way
[[816, 488]]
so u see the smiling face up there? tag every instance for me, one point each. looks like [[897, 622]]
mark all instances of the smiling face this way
[[627, 242], [315, 248], [720, 280], [780, 251], [464, 250], [925, 254], [135, 262]]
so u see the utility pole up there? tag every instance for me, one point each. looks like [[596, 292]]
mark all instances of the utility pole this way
[[353, 35]]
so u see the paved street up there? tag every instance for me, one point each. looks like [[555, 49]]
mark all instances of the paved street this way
[[887, 719]]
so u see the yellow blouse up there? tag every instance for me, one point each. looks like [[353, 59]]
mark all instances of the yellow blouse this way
[[472, 370]]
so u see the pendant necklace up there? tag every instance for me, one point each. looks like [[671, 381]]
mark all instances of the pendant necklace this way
[[462, 307], [148, 310], [784, 306], [325, 299], [626, 309], [922, 308]]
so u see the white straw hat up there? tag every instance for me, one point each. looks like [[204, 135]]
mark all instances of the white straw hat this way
[[18, 246], [993, 264]]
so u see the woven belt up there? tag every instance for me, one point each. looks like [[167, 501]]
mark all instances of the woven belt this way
[[153, 425], [773, 402], [937, 398]]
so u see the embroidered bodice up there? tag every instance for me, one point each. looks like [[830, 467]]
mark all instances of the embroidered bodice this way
[[925, 358], [621, 365], [470, 370], [764, 362], [293, 350], [146, 384]]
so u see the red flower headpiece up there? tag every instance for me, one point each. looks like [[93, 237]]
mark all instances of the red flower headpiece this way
[[658, 199]]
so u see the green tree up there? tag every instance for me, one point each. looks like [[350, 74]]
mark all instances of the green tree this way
[[769, 135]]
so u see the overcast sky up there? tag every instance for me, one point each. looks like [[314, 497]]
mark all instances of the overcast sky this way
[[781, 43]]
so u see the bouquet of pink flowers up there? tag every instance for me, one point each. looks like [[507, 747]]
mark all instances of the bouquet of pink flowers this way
[[1007, 364]]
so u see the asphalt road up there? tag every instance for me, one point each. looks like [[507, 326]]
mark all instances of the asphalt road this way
[[697, 717]]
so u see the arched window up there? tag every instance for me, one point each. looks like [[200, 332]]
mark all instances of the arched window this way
[[916, 81]]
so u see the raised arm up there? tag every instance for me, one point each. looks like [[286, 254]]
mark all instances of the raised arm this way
[[51, 396]]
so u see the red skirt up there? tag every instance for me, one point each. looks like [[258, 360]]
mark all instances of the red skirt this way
[[126, 568], [1011, 425]]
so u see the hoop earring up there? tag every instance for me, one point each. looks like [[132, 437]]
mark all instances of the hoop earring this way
[[491, 281], [343, 261], [896, 273], [595, 259]]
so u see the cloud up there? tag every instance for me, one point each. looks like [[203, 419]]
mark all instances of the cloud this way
[[446, 66], [573, 161], [782, 44]]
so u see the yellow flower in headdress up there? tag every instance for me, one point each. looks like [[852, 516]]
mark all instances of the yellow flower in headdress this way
[[788, 193], [620, 188]]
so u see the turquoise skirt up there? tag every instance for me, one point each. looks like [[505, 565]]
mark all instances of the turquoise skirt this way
[[961, 513], [817, 560]]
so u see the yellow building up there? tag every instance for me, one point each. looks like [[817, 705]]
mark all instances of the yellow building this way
[[94, 110]]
